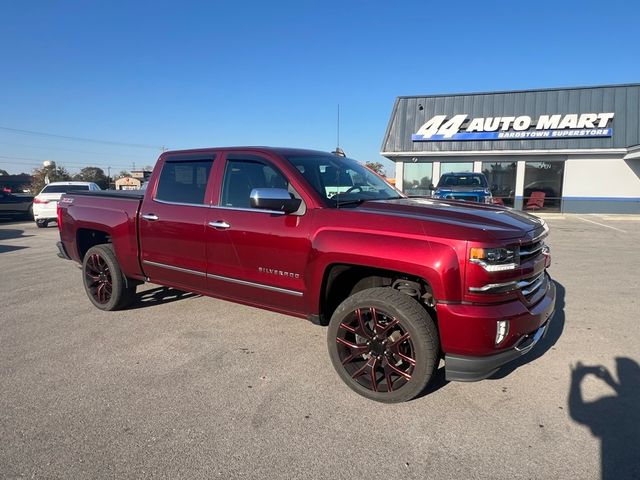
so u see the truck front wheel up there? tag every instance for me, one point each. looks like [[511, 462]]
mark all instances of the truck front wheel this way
[[383, 344], [106, 286]]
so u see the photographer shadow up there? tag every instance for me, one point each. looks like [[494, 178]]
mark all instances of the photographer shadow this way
[[615, 419]]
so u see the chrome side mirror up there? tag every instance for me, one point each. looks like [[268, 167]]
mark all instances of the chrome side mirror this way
[[277, 199]]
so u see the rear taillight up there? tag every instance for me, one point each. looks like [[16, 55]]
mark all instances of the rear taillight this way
[[39, 200], [59, 217]]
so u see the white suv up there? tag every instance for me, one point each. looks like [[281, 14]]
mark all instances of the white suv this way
[[46, 202]]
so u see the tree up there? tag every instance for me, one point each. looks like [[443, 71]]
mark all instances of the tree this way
[[92, 174], [123, 173], [3, 172], [53, 172], [376, 167]]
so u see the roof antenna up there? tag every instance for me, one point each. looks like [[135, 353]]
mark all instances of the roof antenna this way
[[338, 151]]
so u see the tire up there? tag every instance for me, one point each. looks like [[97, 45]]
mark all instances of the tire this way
[[42, 223], [106, 286], [29, 214], [404, 343]]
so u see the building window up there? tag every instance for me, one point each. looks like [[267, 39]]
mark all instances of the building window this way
[[501, 177], [417, 177], [543, 185], [452, 167]]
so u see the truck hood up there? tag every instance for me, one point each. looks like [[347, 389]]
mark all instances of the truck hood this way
[[463, 220]]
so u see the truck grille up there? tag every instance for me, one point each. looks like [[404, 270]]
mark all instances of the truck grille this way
[[531, 250], [468, 198], [532, 286]]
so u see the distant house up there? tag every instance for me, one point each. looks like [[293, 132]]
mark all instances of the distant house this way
[[15, 183], [128, 183], [141, 174]]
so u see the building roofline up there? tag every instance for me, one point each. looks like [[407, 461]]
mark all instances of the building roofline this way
[[467, 94]]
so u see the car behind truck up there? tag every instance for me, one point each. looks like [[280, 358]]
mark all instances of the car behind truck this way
[[401, 282]]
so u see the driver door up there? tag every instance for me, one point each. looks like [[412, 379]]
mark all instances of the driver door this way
[[269, 249]]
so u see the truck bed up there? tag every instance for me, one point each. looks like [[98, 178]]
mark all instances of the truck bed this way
[[133, 194], [111, 213]]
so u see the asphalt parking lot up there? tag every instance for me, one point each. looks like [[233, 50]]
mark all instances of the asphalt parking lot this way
[[183, 386]]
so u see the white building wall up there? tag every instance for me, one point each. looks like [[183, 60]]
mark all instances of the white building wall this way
[[399, 175], [601, 178]]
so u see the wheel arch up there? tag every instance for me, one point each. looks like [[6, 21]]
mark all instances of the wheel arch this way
[[341, 280], [89, 237]]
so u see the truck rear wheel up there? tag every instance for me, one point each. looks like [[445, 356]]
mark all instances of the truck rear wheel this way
[[106, 286], [383, 344]]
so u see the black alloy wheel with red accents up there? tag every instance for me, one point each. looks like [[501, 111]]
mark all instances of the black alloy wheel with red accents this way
[[383, 344], [106, 286], [98, 278]]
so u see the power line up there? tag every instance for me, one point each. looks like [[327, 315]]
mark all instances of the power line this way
[[80, 139], [107, 154], [38, 162]]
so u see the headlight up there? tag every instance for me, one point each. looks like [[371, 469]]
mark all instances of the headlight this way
[[495, 259]]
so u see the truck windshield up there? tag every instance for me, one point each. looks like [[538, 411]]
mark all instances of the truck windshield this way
[[462, 181], [342, 181]]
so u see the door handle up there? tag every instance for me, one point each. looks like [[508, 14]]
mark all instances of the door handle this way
[[221, 224], [152, 217]]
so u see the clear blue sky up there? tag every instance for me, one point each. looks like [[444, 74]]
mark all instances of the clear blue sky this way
[[193, 74]]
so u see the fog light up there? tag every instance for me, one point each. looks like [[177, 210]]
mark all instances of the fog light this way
[[502, 328]]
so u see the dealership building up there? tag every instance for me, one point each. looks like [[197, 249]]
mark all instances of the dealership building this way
[[565, 149]]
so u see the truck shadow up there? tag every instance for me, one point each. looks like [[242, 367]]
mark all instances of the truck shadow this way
[[614, 419], [547, 343], [160, 296], [9, 233]]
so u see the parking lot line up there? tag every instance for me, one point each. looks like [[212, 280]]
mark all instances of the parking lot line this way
[[602, 224]]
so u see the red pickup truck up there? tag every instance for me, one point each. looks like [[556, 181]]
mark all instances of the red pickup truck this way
[[401, 282]]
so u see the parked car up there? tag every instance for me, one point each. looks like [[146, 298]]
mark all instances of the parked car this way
[[46, 202], [16, 205], [401, 282], [472, 187]]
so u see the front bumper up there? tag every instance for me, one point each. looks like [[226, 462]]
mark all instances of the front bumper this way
[[471, 369], [470, 351]]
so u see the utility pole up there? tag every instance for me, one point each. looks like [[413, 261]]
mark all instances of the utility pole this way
[[108, 178]]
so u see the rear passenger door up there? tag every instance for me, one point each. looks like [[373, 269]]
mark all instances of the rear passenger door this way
[[173, 221]]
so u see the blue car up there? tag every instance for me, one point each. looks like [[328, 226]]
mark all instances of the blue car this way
[[472, 187]]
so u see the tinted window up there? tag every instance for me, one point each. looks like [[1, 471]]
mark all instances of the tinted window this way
[[543, 185], [64, 188], [502, 181], [184, 181], [244, 173]]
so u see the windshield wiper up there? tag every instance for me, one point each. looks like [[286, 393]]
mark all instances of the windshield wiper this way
[[357, 201]]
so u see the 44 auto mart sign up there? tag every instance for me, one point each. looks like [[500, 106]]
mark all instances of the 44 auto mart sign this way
[[557, 126]]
